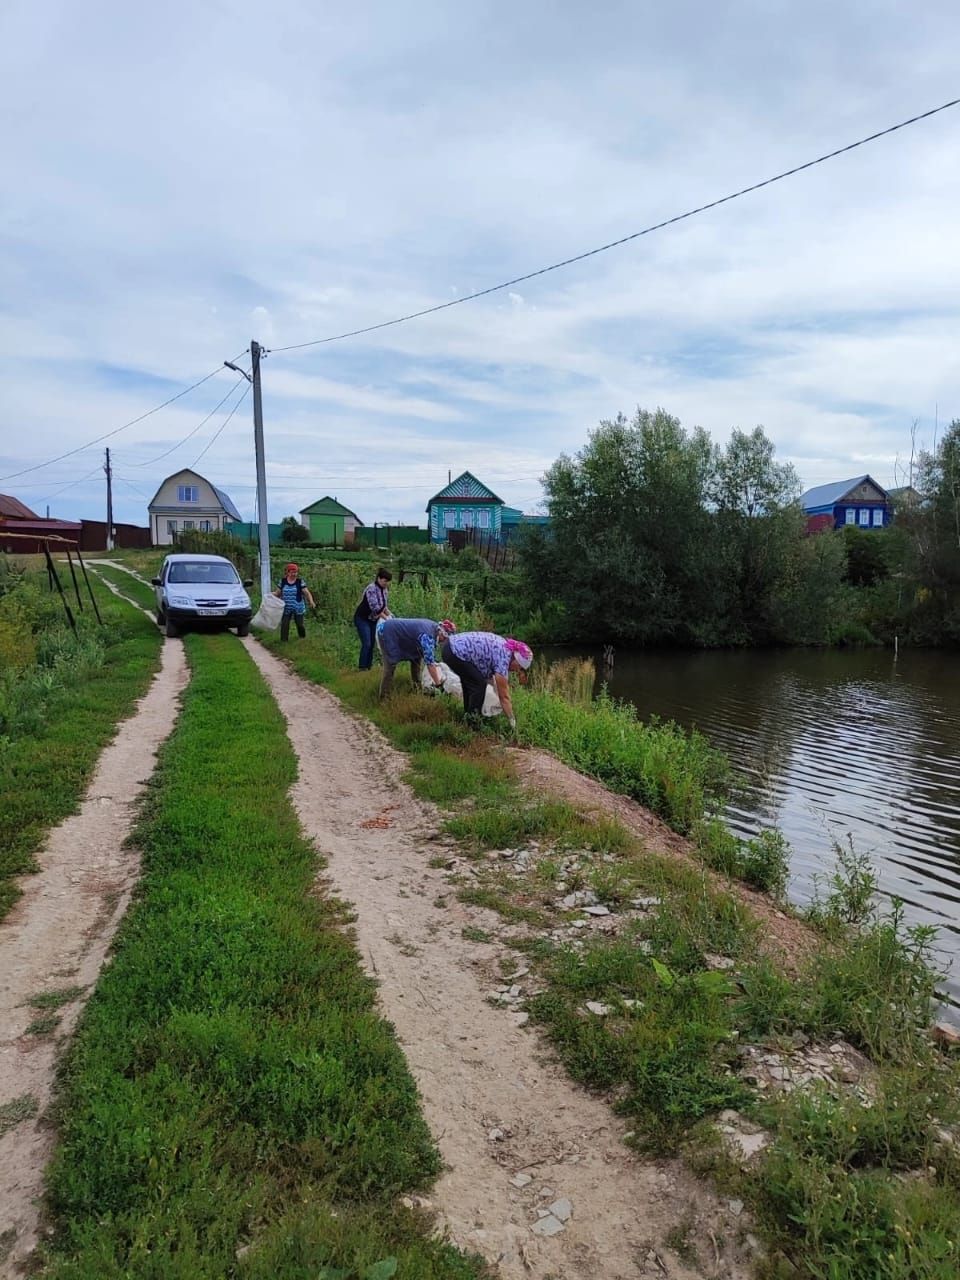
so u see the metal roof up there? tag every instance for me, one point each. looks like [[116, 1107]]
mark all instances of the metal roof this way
[[15, 509], [227, 503], [825, 495]]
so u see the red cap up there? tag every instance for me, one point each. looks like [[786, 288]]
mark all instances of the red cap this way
[[294, 567]]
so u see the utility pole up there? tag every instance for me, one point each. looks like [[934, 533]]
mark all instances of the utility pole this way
[[265, 583], [256, 351], [109, 472]]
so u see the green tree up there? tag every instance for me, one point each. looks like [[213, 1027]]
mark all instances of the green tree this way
[[629, 530], [292, 531]]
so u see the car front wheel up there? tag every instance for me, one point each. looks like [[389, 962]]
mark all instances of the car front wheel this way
[[172, 629]]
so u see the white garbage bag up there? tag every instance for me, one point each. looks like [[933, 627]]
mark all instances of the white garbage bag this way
[[452, 685], [268, 616]]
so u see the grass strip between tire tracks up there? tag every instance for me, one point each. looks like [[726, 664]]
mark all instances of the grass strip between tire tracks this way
[[232, 1104], [43, 775]]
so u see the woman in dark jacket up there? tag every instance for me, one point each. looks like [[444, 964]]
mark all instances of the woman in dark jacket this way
[[372, 607]]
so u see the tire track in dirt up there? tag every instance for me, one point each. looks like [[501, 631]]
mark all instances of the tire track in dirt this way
[[478, 1073], [57, 937]]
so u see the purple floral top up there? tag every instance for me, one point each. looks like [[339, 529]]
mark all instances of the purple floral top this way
[[487, 652], [376, 600]]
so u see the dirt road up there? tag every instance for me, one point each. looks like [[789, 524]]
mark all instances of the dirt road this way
[[517, 1137], [55, 941], [500, 1110]]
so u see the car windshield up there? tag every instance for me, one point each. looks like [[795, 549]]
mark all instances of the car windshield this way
[[203, 572]]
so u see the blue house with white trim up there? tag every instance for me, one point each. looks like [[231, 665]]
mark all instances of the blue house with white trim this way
[[860, 501], [466, 503]]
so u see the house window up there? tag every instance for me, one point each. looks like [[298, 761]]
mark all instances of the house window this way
[[467, 519], [188, 524], [171, 526], [449, 519], [864, 516], [188, 493], [851, 516], [204, 526], [878, 517], [484, 518]]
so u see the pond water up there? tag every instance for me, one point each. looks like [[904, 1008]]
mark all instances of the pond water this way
[[829, 744]]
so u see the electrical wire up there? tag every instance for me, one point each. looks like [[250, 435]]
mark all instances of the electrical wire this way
[[216, 434], [192, 433], [613, 244], [64, 488], [116, 431]]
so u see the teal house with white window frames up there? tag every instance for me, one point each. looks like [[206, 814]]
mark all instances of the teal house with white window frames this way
[[860, 502], [466, 503], [187, 500]]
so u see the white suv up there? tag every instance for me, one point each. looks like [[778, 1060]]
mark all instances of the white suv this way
[[201, 592]]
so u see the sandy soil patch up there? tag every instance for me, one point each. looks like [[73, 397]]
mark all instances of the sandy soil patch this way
[[516, 1135], [56, 939]]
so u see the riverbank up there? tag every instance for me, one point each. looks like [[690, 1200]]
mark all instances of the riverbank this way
[[812, 1093]]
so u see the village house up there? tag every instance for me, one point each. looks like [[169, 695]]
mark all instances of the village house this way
[[860, 502], [187, 500], [330, 523], [465, 503]]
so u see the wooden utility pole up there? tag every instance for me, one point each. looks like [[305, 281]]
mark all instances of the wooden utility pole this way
[[109, 474]]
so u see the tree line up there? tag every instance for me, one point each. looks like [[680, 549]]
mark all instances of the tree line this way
[[659, 536]]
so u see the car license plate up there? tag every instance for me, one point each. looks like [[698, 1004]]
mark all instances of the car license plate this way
[[212, 613]]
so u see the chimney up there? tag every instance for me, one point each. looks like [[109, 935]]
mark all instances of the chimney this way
[[449, 477]]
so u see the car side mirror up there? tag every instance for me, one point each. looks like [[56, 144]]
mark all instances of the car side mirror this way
[[248, 582], [156, 582]]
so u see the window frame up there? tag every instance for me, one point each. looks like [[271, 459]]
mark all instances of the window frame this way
[[188, 493]]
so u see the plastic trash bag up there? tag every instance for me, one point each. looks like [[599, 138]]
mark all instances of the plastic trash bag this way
[[452, 685], [268, 616]]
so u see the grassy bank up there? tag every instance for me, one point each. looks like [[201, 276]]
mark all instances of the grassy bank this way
[[232, 1104], [62, 695], [679, 1008]]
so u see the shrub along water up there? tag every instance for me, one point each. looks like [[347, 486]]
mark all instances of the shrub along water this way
[[61, 697], [232, 1103]]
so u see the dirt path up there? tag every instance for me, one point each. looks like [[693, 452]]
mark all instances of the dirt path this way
[[500, 1110], [56, 939]]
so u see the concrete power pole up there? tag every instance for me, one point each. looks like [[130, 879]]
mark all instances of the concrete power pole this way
[[256, 351], [109, 472], [265, 583]]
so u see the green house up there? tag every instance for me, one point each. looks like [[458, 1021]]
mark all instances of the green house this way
[[330, 523], [466, 503]]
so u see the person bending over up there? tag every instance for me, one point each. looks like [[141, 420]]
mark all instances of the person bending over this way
[[480, 658], [413, 640]]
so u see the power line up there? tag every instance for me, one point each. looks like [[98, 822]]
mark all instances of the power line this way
[[192, 433], [116, 431], [613, 244], [216, 434], [64, 488]]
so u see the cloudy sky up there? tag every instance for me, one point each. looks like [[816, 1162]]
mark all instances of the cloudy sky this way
[[178, 179]]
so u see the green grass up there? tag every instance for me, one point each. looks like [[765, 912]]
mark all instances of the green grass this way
[[54, 999], [44, 772], [232, 1103], [136, 588]]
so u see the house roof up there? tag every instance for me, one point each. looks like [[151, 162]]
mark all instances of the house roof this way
[[227, 503], [14, 509], [466, 488], [329, 507], [826, 495], [223, 498]]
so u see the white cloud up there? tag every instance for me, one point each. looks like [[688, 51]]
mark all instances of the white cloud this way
[[172, 188]]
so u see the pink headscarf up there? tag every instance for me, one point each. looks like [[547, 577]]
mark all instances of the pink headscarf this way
[[522, 652]]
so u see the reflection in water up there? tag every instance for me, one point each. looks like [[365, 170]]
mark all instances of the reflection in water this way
[[830, 743]]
